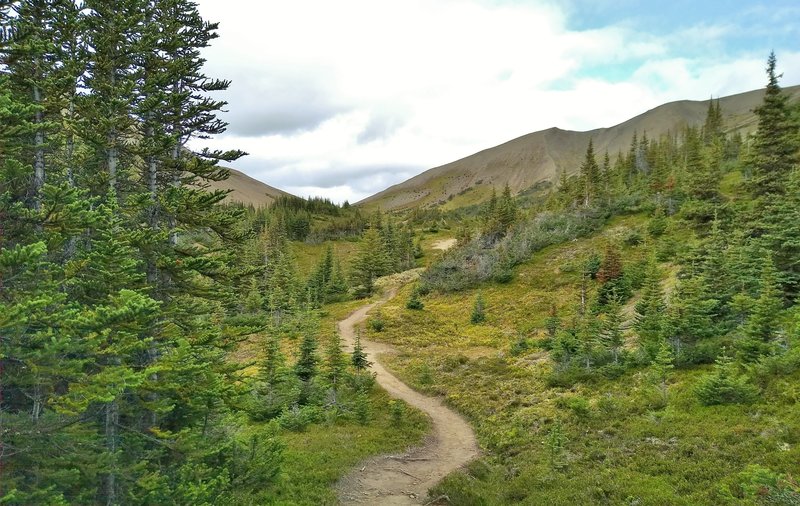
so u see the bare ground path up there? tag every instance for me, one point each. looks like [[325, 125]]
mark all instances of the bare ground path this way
[[405, 479]]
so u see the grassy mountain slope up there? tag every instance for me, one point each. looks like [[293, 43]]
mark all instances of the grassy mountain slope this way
[[247, 190], [621, 444], [539, 156]]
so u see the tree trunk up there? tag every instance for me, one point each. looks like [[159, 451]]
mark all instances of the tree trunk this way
[[176, 182], [38, 157], [112, 419]]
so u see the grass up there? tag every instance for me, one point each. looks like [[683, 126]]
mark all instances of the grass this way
[[314, 460], [307, 256], [623, 446]]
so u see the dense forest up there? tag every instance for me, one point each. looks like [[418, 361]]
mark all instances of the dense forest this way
[[160, 346], [125, 285]]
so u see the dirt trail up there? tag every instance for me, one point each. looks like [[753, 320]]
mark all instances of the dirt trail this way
[[405, 479]]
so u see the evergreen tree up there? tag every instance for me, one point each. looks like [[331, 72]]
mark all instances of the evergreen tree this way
[[359, 357], [306, 366], [506, 210], [553, 322], [660, 369], [649, 317], [369, 263], [590, 176], [414, 301], [725, 385], [606, 179], [775, 145], [702, 171], [763, 323], [689, 320], [713, 128], [272, 367], [335, 363], [478, 310], [613, 333], [493, 228], [614, 285]]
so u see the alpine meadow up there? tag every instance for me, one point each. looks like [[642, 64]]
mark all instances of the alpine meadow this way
[[608, 316]]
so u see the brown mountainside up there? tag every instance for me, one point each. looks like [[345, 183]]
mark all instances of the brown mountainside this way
[[247, 190], [540, 156]]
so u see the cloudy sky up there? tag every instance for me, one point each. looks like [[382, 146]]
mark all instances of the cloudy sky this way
[[344, 98]]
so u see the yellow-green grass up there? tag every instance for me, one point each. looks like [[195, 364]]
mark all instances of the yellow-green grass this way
[[624, 446], [316, 459], [307, 256], [313, 460]]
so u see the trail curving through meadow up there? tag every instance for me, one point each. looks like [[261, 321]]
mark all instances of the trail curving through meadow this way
[[406, 478]]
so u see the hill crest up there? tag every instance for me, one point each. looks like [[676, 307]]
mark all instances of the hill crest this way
[[538, 157]]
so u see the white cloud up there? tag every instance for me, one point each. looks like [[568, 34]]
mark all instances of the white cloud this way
[[342, 99]]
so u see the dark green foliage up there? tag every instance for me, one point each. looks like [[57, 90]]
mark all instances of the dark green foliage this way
[[725, 385], [658, 223], [590, 177], [775, 146], [359, 357], [117, 270], [306, 366], [478, 310], [592, 265], [327, 283], [377, 322], [612, 332], [556, 446], [397, 409], [414, 301], [763, 323], [766, 487], [615, 286], [649, 321], [361, 408], [663, 363], [370, 263], [499, 214], [553, 322]]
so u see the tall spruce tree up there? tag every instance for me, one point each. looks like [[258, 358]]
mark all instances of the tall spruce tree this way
[[775, 145], [590, 176]]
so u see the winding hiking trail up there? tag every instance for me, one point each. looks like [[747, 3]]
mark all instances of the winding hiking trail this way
[[405, 479]]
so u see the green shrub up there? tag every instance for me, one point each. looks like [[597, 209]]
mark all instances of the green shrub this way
[[361, 408], [520, 346], [297, 418], [425, 376], [575, 403], [377, 323], [725, 385], [768, 487], [397, 410], [657, 224], [633, 237], [478, 310], [556, 445], [592, 265], [503, 276], [414, 302]]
